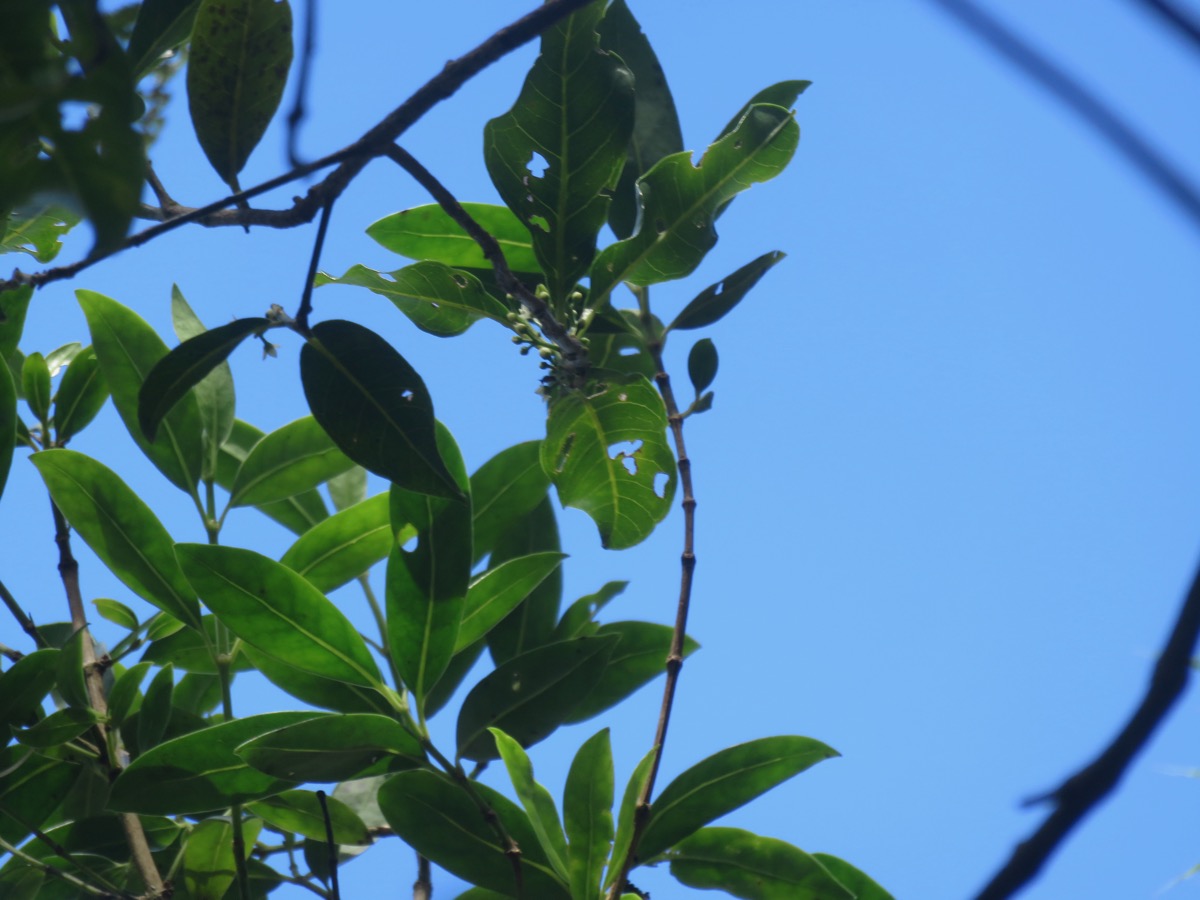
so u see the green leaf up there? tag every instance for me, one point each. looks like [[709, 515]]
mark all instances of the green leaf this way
[[860, 885], [201, 772], [539, 805], [723, 782], [680, 201], [183, 368], [428, 233], [25, 685], [70, 682], [712, 303], [56, 359], [349, 488], [375, 407], [80, 396], [755, 868], [117, 613], [784, 94], [120, 529], [35, 385], [531, 624], [331, 748], [440, 821], [155, 713], [31, 788], [272, 608], [297, 513], [656, 131], [499, 590], [579, 619], [237, 69], [345, 545], [640, 657], [289, 461], [505, 488], [14, 305], [327, 693], [529, 696], [587, 814], [8, 423], [300, 812], [214, 392], [37, 229], [58, 728], [607, 454], [208, 861], [161, 26], [576, 112], [128, 348], [125, 693], [702, 364], [625, 819], [460, 667], [191, 650]]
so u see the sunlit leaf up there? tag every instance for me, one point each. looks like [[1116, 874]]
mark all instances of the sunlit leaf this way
[[498, 591], [505, 488], [297, 513], [35, 385], [215, 395], [625, 818], [80, 396], [539, 805], [344, 546], [349, 488], [289, 461], [327, 693], [332, 748], [861, 885], [783, 93], [712, 303], [428, 233], [587, 814], [208, 860], [38, 230]]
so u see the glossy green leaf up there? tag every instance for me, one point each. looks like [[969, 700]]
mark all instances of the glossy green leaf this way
[[505, 488], [680, 201], [712, 303], [330, 748], [120, 529], [57, 728], [345, 545], [300, 812], [208, 860], [35, 385], [25, 685], [155, 713], [297, 513], [349, 488], [607, 454], [128, 349], [859, 884], [625, 818], [161, 26], [428, 233], [783, 93], [80, 396], [197, 693], [125, 694], [70, 682], [499, 590], [587, 814], [375, 406], [579, 618], [327, 693], [723, 782], [639, 658], [529, 696], [201, 772], [237, 68], [752, 867], [288, 461], [656, 131], [702, 364], [441, 822], [31, 788], [539, 805], [8, 423], [575, 112], [190, 650], [531, 624], [436, 298], [61, 357], [117, 613], [37, 229], [459, 668], [214, 392], [272, 608]]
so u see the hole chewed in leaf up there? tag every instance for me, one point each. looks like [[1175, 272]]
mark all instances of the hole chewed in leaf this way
[[540, 222], [406, 394], [625, 452], [660, 484], [537, 165], [410, 545]]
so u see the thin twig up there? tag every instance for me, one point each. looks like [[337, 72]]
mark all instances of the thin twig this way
[[1120, 134], [574, 356], [299, 108], [350, 160], [318, 245], [22, 618], [1181, 21], [38, 864], [333, 851], [674, 662], [1080, 793], [423, 886]]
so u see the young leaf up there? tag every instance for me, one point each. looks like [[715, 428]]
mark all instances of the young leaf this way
[[712, 303], [756, 868], [272, 608], [587, 814], [289, 461], [633, 789], [237, 68], [201, 772], [702, 364], [343, 546], [62, 356], [301, 812], [575, 112], [35, 385], [656, 131], [161, 26], [436, 298], [428, 233], [120, 529], [80, 396], [680, 201], [349, 488], [783, 93], [208, 867], [505, 488], [440, 821], [862, 886], [606, 451], [297, 513], [723, 782], [181, 369], [539, 805], [529, 696], [499, 590], [127, 349], [531, 624], [331, 748], [375, 407], [117, 613]]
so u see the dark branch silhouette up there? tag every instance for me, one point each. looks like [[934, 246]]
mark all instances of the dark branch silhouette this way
[[300, 104], [1179, 20]]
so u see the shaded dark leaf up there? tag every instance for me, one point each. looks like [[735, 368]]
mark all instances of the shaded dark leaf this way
[[81, 395], [702, 364], [712, 303]]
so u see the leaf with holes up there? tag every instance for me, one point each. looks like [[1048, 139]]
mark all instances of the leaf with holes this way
[[712, 303], [680, 201], [607, 453], [237, 68], [575, 112], [37, 229], [289, 461], [436, 298], [428, 232], [375, 407], [345, 545]]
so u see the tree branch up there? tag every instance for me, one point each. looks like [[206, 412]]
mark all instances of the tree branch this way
[[299, 105], [306, 299], [1181, 21], [1080, 793], [350, 160], [23, 620]]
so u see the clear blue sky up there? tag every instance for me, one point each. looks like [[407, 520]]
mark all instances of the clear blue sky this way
[[949, 492]]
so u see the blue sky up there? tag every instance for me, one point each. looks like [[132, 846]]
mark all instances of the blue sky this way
[[948, 492]]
